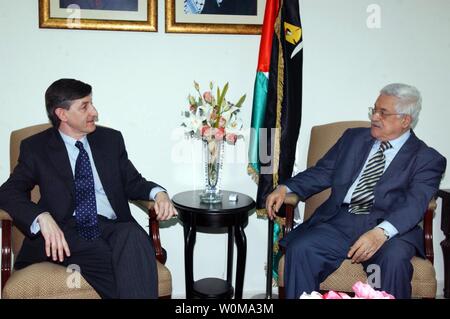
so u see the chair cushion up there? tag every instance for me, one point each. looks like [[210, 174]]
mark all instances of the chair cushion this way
[[45, 281], [423, 281], [164, 281], [48, 281]]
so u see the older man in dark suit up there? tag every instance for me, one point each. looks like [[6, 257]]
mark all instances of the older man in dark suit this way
[[382, 179], [83, 217]]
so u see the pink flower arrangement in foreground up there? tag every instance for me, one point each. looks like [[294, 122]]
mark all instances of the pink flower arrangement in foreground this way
[[362, 291]]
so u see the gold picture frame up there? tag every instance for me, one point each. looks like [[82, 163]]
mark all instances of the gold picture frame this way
[[179, 22], [52, 16]]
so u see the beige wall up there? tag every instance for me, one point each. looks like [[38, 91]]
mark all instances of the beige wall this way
[[141, 81]]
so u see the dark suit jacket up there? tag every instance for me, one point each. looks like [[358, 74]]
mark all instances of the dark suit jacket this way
[[401, 195], [43, 161]]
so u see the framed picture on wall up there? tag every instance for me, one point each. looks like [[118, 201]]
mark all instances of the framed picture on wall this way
[[124, 15], [215, 16]]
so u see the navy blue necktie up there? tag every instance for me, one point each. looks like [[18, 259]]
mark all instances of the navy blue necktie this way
[[86, 207]]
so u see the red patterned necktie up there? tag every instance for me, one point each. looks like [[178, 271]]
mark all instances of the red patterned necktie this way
[[98, 4]]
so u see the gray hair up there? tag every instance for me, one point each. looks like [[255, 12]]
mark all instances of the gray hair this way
[[410, 101]]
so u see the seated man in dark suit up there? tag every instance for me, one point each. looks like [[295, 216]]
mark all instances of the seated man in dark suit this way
[[83, 217], [382, 179], [119, 5]]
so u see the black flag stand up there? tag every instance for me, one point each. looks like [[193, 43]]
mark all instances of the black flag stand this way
[[269, 260]]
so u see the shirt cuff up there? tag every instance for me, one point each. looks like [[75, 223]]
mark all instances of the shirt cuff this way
[[155, 191], [288, 190], [35, 228], [389, 228]]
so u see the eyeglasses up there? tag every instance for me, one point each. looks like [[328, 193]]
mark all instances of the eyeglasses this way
[[383, 114]]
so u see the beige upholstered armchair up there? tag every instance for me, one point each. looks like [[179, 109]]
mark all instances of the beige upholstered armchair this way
[[424, 276], [48, 280]]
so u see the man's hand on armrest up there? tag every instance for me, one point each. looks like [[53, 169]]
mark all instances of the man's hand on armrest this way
[[164, 208], [55, 242], [275, 200]]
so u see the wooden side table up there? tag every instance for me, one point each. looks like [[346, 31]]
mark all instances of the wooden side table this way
[[232, 215]]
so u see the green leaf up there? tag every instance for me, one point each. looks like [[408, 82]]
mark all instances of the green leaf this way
[[191, 100], [241, 100], [222, 96], [226, 107], [218, 95]]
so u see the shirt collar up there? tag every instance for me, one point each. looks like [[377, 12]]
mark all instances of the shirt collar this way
[[70, 141], [399, 141]]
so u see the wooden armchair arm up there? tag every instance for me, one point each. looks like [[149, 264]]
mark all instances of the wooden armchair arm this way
[[4, 215], [428, 230], [291, 202], [6, 223], [148, 207], [445, 244]]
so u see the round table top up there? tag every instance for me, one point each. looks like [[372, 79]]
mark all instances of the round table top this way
[[190, 200]]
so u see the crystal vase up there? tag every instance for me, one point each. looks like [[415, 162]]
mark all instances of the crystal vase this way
[[213, 160]]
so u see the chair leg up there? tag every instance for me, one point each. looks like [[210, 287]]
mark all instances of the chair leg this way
[[445, 244], [281, 293]]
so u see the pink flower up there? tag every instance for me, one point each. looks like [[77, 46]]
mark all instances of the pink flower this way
[[362, 291], [335, 295], [222, 122], [219, 133], [205, 131], [331, 295], [207, 96], [365, 291], [231, 138]]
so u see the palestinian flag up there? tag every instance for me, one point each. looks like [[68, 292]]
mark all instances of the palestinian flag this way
[[261, 84], [281, 109]]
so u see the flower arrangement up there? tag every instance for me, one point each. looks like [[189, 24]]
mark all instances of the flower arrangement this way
[[213, 119], [212, 116], [362, 291]]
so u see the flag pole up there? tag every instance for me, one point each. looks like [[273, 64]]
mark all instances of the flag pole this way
[[269, 260]]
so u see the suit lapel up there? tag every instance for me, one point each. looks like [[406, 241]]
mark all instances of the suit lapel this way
[[102, 160], [355, 162], [60, 160], [360, 155], [402, 158]]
